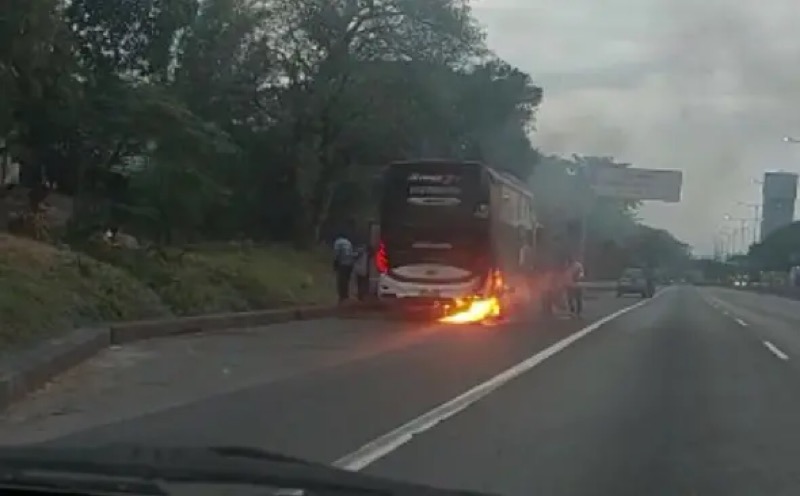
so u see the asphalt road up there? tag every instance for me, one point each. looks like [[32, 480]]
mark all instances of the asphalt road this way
[[694, 392]]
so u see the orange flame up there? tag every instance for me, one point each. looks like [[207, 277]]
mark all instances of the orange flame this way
[[476, 311]]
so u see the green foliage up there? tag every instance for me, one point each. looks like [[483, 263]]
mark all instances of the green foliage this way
[[274, 114], [45, 290], [134, 39], [227, 277], [183, 120], [779, 251]]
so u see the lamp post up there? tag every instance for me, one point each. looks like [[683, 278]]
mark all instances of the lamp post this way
[[756, 217], [725, 238], [580, 174], [742, 229]]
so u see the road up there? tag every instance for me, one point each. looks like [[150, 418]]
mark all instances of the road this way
[[696, 391]]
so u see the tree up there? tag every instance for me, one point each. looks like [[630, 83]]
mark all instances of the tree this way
[[779, 251], [35, 74], [322, 46], [134, 40], [187, 119]]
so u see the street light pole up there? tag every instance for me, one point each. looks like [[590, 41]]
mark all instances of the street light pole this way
[[756, 219], [724, 237], [581, 174], [742, 229]]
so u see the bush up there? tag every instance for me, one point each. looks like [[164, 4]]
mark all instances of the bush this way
[[230, 277], [45, 290]]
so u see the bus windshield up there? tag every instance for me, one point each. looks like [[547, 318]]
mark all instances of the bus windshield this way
[[436, 213], [438, 195]]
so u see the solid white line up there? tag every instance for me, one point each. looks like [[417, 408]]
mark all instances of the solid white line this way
[[385, 444], [741, 322], [775, 351]]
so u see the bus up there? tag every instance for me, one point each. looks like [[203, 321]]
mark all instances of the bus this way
[[452, 234]]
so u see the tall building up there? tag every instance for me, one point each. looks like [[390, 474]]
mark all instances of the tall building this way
[[779, 192]]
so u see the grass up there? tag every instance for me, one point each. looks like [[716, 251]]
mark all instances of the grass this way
[[46, 290], [224, 278]]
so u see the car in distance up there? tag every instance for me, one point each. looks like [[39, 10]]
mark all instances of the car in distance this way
[[634, 281]]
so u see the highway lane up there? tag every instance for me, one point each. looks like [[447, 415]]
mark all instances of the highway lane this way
[[775, 320], [314, 389], [673, 398], [693, 392]]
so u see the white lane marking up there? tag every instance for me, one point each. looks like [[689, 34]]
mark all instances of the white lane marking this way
[[775, 351], [719, 305], [385, 444]]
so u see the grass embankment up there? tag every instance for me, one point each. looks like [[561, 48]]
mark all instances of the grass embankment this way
[[46, 290]]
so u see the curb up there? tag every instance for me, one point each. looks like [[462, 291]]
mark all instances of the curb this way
[[128, 332], [24, 372]]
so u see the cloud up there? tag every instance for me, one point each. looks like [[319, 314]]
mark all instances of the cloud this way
[[707, 87]]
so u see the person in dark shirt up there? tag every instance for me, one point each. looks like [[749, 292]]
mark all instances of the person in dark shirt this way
[[343, 259]]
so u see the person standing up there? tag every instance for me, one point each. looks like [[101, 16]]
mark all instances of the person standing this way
[[343, 259], [526, 264], [574, 290], [361, 269]]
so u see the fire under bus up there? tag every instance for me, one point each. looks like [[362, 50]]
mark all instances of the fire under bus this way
[[451, 240]]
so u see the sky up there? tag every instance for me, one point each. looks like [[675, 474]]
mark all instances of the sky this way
[[709, 88]]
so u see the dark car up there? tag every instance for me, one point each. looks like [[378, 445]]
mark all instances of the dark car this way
[[634, 281]]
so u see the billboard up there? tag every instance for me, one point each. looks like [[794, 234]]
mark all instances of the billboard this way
[[779, 191], [637, 184]]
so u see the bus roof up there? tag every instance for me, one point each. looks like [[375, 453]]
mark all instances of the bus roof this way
[[510, 180]]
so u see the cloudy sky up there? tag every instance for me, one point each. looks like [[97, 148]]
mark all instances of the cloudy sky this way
[[708, 87]]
